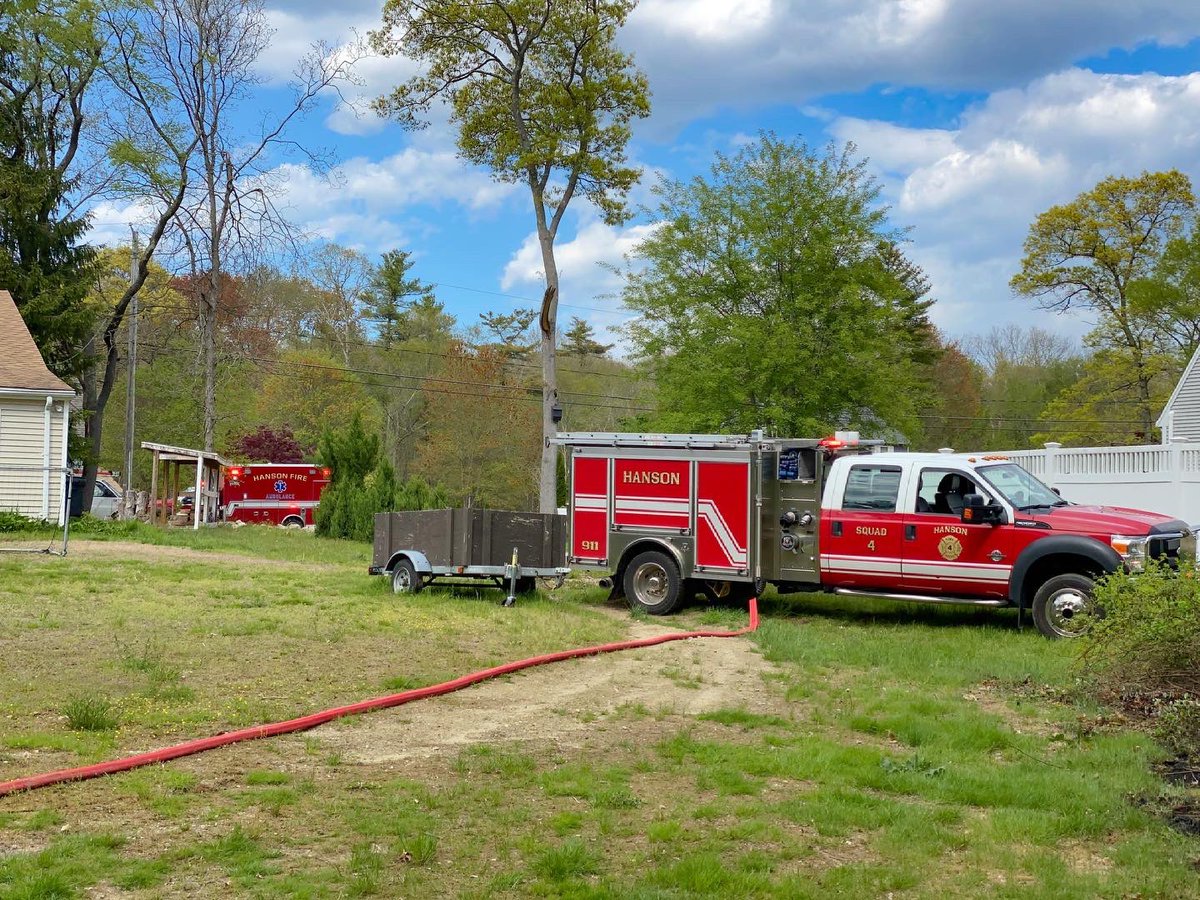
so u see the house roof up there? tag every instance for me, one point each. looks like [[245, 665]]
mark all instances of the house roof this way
[[21, 364], [1188, 371]]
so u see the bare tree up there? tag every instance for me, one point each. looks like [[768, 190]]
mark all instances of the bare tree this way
[[206, 52], [342, 277]]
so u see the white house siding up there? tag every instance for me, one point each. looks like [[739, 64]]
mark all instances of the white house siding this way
[[23, 457], [1184, 409]]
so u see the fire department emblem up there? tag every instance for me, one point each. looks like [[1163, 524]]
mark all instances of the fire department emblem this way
[[950, 547]]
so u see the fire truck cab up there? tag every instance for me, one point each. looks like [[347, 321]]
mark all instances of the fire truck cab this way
[[675, 515]]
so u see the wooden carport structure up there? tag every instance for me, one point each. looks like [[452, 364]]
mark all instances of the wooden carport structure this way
[[206, 508]]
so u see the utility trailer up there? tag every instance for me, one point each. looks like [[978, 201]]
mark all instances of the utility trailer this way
[[510, 549]]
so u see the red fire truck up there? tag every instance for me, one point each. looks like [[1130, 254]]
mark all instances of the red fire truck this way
[[273, 493], [674, 515]]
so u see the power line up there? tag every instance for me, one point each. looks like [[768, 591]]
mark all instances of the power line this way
[[518, 392], [441, 355]]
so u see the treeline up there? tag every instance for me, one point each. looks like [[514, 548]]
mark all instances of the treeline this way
[[301, 353]]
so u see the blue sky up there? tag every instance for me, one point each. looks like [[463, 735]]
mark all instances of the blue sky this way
[[975, 115]]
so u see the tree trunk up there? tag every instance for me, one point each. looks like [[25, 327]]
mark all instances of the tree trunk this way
[[208, 335], [548, 475], [93, 420]]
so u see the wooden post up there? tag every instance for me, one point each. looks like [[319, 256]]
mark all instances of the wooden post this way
[[199, 493], [175, 492], [154, 490]]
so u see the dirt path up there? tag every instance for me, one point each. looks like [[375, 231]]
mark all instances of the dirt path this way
[[566, 704]]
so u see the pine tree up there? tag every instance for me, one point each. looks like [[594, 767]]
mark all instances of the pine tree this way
[[392, 294]]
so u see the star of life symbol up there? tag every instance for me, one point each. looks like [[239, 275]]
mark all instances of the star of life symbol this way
[[280, 487]]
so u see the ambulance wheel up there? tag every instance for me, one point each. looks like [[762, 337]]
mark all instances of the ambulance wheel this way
[[1065, 606], [293, 522], [405, 578], [652, 583]]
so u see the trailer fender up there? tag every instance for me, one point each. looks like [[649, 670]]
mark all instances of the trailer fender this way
[[1071, 550], [618, 580], [419, 560]]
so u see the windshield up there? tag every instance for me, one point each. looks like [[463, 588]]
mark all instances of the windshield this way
[[1019, 488]]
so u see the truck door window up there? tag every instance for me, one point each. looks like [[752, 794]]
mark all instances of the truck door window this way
[[872, 487], [941, 492]]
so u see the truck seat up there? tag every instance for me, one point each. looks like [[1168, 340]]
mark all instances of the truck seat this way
[[949, 497]]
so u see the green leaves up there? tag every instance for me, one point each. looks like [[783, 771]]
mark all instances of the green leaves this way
[[773, 295]]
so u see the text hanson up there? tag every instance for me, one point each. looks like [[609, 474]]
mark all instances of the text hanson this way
[[650, 478]]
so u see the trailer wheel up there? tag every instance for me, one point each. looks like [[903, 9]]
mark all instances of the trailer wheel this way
[[405, 578], [527, 585], [652, 583]]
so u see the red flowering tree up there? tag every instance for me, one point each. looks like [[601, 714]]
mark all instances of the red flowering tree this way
[[268, 444]]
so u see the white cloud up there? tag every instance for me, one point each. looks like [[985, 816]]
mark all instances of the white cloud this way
[[360, 201], [588, 287], [970, 194], [702, 56]]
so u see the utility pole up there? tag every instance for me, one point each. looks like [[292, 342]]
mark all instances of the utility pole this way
[[131, 374]]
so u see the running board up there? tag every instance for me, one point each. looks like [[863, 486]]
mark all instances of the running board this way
[[923, 598]]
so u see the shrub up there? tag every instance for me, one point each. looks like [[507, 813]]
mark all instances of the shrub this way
[[1145, 651], [364, 484], [90, 712], [12, 521]]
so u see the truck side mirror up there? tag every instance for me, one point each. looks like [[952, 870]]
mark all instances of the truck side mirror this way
[[976, 511]]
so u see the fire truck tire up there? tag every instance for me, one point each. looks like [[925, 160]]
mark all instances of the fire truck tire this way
[[405, 578], [652, 583], [1065, 606]]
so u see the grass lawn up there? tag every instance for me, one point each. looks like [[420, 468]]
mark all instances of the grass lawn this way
[[890, 750]]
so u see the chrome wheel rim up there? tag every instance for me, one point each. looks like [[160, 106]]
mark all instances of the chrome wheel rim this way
[[1069, 612], [401, 581], [650, 584]]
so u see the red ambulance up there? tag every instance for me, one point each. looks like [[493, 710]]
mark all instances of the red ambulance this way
[[274, 493]]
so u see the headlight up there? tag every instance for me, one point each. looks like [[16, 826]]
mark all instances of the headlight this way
[[1132, 550]]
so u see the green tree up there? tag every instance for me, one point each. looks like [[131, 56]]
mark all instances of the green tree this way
[[541, 95], [391, 294], [481, 434], [764, 299], [49, 55], [507, 333], [580, 340], [1086, 254]]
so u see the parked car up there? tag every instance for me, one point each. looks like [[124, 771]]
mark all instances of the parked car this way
[[106, 499]]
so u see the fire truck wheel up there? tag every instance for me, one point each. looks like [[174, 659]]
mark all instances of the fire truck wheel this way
[[1065, 606], [652, 583], [405, 578]]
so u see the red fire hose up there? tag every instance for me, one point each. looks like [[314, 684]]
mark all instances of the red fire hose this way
[[187, 748]]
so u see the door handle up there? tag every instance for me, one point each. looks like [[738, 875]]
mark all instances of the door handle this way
[[910, 532], [837, 529]]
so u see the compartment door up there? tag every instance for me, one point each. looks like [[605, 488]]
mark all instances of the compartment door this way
[[723, 517], [589, 509]]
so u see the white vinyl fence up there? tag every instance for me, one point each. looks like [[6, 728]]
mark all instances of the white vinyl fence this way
[[1162, 478]]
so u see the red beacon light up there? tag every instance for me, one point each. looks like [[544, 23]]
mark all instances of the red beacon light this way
[[839, 440], [235, 472]]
